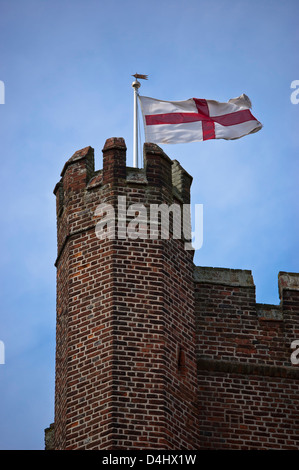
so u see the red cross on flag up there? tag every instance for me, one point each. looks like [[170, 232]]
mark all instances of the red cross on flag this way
[[175, 122]]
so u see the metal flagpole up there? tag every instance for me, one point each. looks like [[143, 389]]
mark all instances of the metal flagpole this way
[[136, 85]]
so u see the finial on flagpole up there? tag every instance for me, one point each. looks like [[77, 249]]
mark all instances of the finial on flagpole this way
[[136, 85]]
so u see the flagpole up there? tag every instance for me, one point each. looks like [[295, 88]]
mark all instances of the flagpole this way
[[136, 85]]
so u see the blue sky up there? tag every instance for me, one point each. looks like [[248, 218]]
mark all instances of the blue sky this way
[[67, 68]]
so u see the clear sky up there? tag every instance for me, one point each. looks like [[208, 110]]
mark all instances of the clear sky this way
[[67, 66]]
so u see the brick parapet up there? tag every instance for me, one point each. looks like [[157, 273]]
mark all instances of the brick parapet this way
[[245, 376], [223, 276], [231, 325]]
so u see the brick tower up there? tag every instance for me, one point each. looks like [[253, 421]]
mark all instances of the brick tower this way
[[125, 340]]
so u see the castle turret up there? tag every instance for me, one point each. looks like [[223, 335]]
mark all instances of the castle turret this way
[[125, 360]]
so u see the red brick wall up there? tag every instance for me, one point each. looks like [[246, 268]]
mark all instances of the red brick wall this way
[[247, 383], [248, 411], [126, 363]]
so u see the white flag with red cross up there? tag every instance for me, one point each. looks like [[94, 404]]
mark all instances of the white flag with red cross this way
[[175, 122]]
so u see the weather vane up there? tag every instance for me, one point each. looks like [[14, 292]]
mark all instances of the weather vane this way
[[136, 85], [139, 75]]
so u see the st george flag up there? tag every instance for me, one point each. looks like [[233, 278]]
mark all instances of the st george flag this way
[[175, 122]]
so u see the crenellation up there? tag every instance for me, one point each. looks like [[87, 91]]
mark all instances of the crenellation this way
[[224, 276], [114, 161], [181, 181], [287, 281], [157, 167]]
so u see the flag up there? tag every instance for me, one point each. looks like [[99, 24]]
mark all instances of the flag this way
[[175, 122]]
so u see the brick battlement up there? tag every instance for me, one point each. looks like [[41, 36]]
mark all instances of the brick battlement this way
[[232, 326], [245, 376], [81, 187], [159, 170], [153, 352]]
